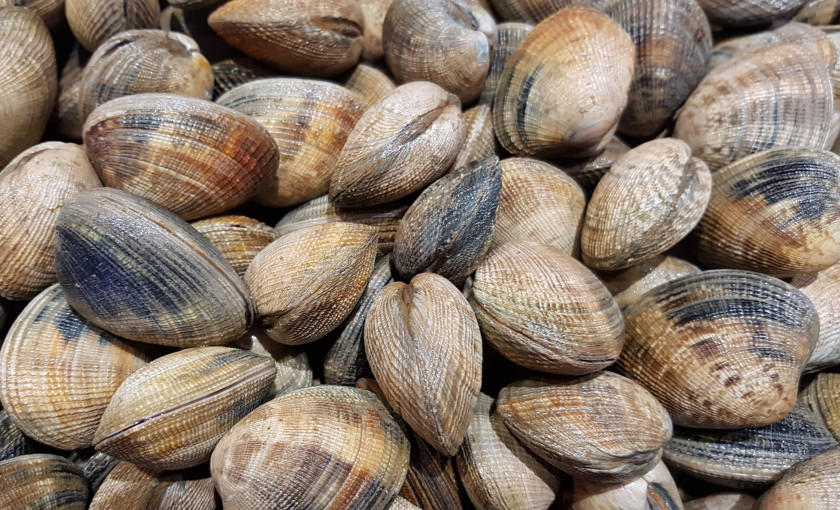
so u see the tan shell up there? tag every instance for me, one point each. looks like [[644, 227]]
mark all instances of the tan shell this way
[[809, 485], [42, 481], [655, 490], [306, 282], [587, 172], [304, 37], [94, 21], [13, 442], [370, 83], [374, 12], [508, 37], [479, 142], [819, 12], [33, 189], [822, 289], [630, 285], [233, 72], [399, 146], [401, 503], [129, 487], [650, 199], [293, 371], [822, 396], [722, 501], [50, 11], [547, 103], [734, 13], [792, 32], [342, 445], [424, 347], [601, 426], [68, 114], [95, 466], [238, 238], [310, 121]]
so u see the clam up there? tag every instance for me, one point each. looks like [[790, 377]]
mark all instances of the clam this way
[[191, 156], [96, 468], [140, 272], [822, 396], [735, 13], [308, 281], [776, 212], [343, 446], [293, 371], [810, 485], [13, 442], [401, 503], [42, 481], [631, 284], [654, 490], [374, 13], [28, 80], [650, 199], [722, 501], [399, 146], [508, 37], [819, 12], [310, 122], [792, 32], [33, 189], [601, 426], [312, 38], [369, 83], [129, 487], [543, 310], [68, 112], [94, 21], [479, 142], [50, 11], [721, 349], [233, 72], [534, 11], [588, 171], [193, 23], [822, 289], [238, 238]]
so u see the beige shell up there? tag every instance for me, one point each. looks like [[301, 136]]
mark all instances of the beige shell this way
[[479, 142], [822, 396], [374, 12], [822, 289], [293, 370], [50, 11], [129, 487], [819, 12], [508, 37], [401, 503], [722, 501], [233, 72], [238, 238], [68, 111], [42, 481], [94, 21], [33, 189], [310, 121], [629, 285], [588, 171], [655, 490], [371, 84], [792, 32], [734, 13], [809, 485]]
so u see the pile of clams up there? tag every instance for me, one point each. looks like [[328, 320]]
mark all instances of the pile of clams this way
[[420, 254]]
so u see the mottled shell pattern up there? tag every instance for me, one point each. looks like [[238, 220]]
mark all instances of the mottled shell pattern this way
[[42, 481], [13, 442], [792, 32], [735, 13], [94, 21], [238, 238]]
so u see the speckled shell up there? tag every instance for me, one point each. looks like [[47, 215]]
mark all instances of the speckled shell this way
[[547, 103], [374, 13], [776, 212], [822, 396], [42, 481], [792, 32], [33, 189], [722, 501], [587, 172], [819, 12], [68, 114], [94, 21], [545, 311], [304, 37], [822, 289], [170, 413], [191, 156], [775, 97], [233, 72], [371, 84], [446, 42], [310, 121], [508, 37], [497, 471], [238, 238], [424, 347], [293, 370], [655, 490], [721, 349], [809, 485], [401, 503], [399, 146], [50, 11], [343, 446], [734, 13], [129, 487], [28, 80], [602, 426], [479, 142], [308, 281], [650, 199], [13, 442], [629, 285], [142, 273]]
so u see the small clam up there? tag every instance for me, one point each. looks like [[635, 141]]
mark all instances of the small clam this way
[[810, 485], [630, 285], [369, 83], [42, 481], [736, 13], [822, 289], [822, 396], [654, 490], [722, 501], [819, 12], [238, 238], [342, 445], [601, 426], [508, 37], [129, 487], [479, 142], [401, 503], [721, 349], [374, 13], [50, 11], [68, 112], [94, 21], [293, 370], [13, 442], [587, 172], [233, 72], [792, 32]]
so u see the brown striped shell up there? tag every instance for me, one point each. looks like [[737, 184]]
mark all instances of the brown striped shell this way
[[721, 349], [292, 364], [170, 413], [655, 490], [310, 121], [792, 32], [424, 347], [545, 311], [129, 487], [479, 142], [33, 188], [601, 426], [808, 485], [142, 273], [588, 171], [722, 501], [736, 13], [822, 289], [42, 481], [776, 212], [305, 37], [374, 13], [631, 284], [306, 282], [94, 21], [238, 238], [233, 72], [819, 12], [369, 83], [508, 37], [50, 11], [822, 396], [343, 446], [68, 111], [399, 146]]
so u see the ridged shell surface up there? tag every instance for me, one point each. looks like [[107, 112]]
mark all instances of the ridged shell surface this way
[[508, 37], [588, 171], [479, 142], [630, 285], [809, 485], [792, 32], [819, 12], [654, 490], [233, 72], [238, 238], [129, 487], [94, 21], [822, 395], [370, 83], [722, 501], [292, 364], [42, 481], [822, 289], [401, 503], [374, 13], [13, 442], [737, 13]]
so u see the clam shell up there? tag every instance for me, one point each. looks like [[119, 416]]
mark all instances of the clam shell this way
[[308, 281], [140, 272], [293, 371], [191, 156], [50, 11], [601, 426], [233, 72], [544, 310], [13, 442], [819, 12], [68, 111], [547, 103], [534, 11], [650, 199], [42, 481], [369, 83], [194, 24], [722, 501], [33, 189], [129, 487], [508, 37], [721, 349], [189, 5], [310, 121], [399, 146], [735, 13], [776, 212], [96, 468], [374, 13], [343, 446], [822, 289], [587, 172], [94, 21], [792, 32], [822, 396], [808, 485], [238, 238], [630, 285], [479, 142], [401, 503], [655, 490]]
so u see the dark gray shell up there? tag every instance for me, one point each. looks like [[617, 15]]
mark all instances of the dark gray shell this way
[[96, 468], [508, 37], [42, 482], [13, 441], [741, 13]]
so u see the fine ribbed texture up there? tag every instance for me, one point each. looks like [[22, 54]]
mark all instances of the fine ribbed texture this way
[[13, 442], [370, 84], [42, 481], [238, 238], [811, 484], [292, 364], [631, 284], [736, 13], [805, 35], [94, 21], [128, 487], [823, 397], [233, 72], [655, 490], [479, 142]]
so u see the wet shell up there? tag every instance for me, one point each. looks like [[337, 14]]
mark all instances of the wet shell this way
[[819, 12], [602, 426], [68, 112], [822, 289], [775, 97], [401, 503], [508, 37], [170, 413], [545, 311], [42, 481], [650, 199], [399, 146], [50, 11], [343, 446], [721, 349], [308, 281], [497, 471], [734, 13], [293, 371], [808, 485], [233, 72], [547, 103], [191, 156], [655, 490], [142, 273], [238, 238], [722, 501], [587, 172], [374, 12], [370, 84], [629, 285], [312, 38], [94, 21], [28, 80], [310, 121], [33, 189], [424, 347], [793, 32], [822, 396], [776, 212], [129, 487], [13, 442], [479, 142]]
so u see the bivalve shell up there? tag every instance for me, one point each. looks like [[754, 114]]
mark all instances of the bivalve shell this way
[[401, 503], [508, 37], [822, 396], [810, 485], [238, 238], [792, 32], [13, 442], [42, 481], [822, 289], [233, 72], [293, 370], [736, 13], [50, 11], [819, 12], [655, 490], [631, 284], [479, 142], [68, 111], [374, 12], [722, 501], [369, 83], [588, 171], [129, 487], [94, 21], [534, 11]]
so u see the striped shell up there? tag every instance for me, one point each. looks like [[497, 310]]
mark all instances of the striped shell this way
[[50, 11], [809, 485], [822, 289], [193, 23], [233, 72], [129, 487], [722, 501], [655, 490], [479, 142], [792, 32], [293, 370], [190, 5], [630, 285], [238, 238], [95, 466], [94, 21], [822, 396], [13, 442], [588, 171], [534, 11], [68, 112], [508, 37], [369, 83], [735, 13], [42, 481], [374, 13]]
